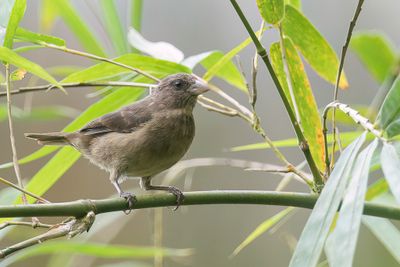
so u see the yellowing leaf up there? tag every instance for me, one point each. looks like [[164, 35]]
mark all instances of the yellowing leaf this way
[[308, 111], [18, 74], [272, 11], [312, 45]]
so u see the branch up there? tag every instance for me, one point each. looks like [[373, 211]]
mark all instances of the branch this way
[[47, 87], [302, 140], [80, 208], [84, 54], [339, 73], [12, 139]]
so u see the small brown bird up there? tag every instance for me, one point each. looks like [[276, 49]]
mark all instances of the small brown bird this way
[[142, 139]]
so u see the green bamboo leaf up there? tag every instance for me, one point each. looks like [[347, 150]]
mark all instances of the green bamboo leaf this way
[[377, 188], [294, 3], [105, 251], [312, 45], [393, 128], [390, 109], [46, 177], [345, 139], [376, 52], [37, 38], [17, 13], [114, 26], [262, 228], [277, 63], [308, 110], [104, 70], [272, 11], [228, 72], [13, 58], [386, 233], [214, 69], [48, 15], [44, 151], [67, 156], [341, 244], [316, 230], [74, 21], [391, 169]]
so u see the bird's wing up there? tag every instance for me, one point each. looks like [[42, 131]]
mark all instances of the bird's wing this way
[[125, 120]]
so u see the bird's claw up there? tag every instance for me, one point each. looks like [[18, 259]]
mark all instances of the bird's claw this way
[[179, 196], [131, 199]]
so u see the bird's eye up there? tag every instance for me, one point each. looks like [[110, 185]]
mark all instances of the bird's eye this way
[[179, 84]]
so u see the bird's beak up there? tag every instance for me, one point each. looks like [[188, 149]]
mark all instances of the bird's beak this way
[[199, 87]]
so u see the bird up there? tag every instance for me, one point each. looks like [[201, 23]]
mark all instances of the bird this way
[[141, 139]]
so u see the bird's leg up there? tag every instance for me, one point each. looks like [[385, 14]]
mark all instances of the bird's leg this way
[[130, 198], [146, 185]]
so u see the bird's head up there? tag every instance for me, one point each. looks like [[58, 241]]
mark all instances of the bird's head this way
[[180, 90]]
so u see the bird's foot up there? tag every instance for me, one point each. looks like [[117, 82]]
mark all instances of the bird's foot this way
[[178, 194], [131, 199]]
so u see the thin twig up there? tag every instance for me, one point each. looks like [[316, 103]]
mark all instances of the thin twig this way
[[69, 228], [184, 165], [353, 114], [12, 139], [339, 74], [84, 54], [30, 224], [230, 99], [47, 87], [39, 198]]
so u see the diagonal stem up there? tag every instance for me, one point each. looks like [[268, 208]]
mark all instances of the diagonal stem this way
[[302, 140], [339, 74]]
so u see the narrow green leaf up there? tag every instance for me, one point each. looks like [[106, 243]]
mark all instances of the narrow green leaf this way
[[390, 109], [16, 15], [277, 63], [44, 151], [46, 177], [316, 230], [136, 14], [213, 70], [262, 228], [345, 139], [386, 233], [312, 45], [26, 48], [228, 72], [376, 52], [37, 38], [104, 70], [391, 169], [308, 110], [106, 251], [341, 244], [271, 11], [67, 156], [294, 3], [13, 58], [393, 128], [48, 15], [377, 188], [74, 21], [114, 26]]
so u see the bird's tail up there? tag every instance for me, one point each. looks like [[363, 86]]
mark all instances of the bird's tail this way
[[56, 138]]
